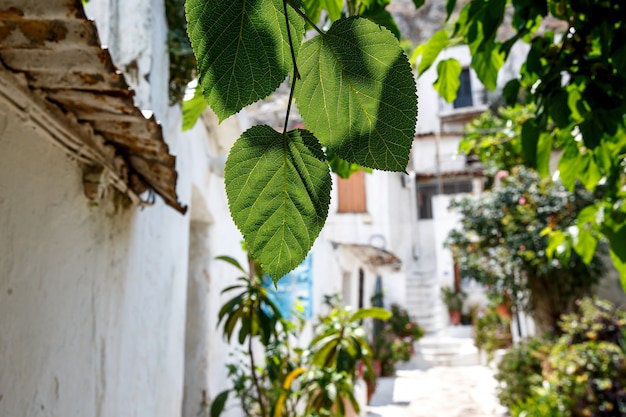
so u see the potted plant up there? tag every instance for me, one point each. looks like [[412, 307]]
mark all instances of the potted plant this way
[[393, 340], [453, 299]]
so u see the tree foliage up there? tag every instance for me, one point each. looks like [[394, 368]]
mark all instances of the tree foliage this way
[[574, 74], [352, 84], [503, 242]]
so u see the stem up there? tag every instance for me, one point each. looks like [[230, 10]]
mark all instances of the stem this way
[[255, 379], [296, 73], [293, 87], [305, 17]]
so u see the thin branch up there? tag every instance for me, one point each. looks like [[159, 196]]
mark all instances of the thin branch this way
[[296, 73], [293, 87], [255, 379], [305, 17]]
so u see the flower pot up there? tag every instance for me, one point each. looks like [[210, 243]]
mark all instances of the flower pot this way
[[504, 311], [455, 318]]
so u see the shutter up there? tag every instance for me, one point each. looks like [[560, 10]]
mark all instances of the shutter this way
[[351, 193]]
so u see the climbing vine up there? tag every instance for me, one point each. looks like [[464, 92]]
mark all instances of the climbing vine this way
[[352, 85]]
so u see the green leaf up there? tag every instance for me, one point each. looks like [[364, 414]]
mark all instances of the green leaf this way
[[233, 262], [342, 167], [218, 404], [313, 9], [358, 94], [616, 235], [193, 109], [487, 63], [449, 8], [448, 82], [590, 174], [585, 245], [510, 92], [544, 152], [590, 215], [557, 238], [418, 3], [530, 139], [569, 165], [278, 189], [431, 49], [620, 265], [242, 49], [371, 313], [381, 16]]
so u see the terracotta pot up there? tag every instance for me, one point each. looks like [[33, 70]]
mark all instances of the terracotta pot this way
[[455, 318], [504, 311]]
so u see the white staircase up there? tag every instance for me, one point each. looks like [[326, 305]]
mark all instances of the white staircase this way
[[454, 346], [423, 301]]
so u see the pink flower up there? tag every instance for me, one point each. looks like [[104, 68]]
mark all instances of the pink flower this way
[[522, 248], [502, 174], [521, 201]]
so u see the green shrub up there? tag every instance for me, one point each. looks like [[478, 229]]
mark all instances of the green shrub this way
[[585, 372], [492, 331], [394, 339], [587, 366], [543, 403], [520, 371]]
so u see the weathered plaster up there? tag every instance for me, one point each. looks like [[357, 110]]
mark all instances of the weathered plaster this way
[[91, 297]]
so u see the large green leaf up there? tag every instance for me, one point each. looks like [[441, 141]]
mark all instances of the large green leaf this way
[[431, 49], [358, 94], [242, 49], [487, 63], [448, 82], [278, 188]]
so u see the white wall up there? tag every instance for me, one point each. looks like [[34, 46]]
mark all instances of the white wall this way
[[92, 297], [431, 105], [94, 308]]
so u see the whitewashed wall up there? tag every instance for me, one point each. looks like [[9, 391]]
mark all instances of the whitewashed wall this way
[[95, 317], [91, 297]]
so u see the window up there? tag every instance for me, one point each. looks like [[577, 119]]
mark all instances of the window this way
[[426, 191], [351, 193], [464, 96]]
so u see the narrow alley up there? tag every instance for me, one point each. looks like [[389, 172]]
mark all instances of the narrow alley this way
[[444, 379]]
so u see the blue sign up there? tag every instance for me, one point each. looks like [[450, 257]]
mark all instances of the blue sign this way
[[295, 287]]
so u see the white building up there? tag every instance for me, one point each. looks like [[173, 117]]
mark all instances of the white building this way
[[95, 317], [442, 174], [109, 290]]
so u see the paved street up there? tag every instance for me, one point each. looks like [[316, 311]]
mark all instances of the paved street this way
[[438, 391]]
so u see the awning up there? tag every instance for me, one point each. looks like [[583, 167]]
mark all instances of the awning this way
[[371, 255], [50, 54]]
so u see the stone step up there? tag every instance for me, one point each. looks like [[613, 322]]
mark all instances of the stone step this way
[[451, 346]]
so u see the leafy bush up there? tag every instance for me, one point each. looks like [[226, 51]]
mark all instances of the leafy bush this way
[[587, 366], [290, 381], [519, 371], [394, 339], [492, 331], [504, 242], [544, 403], [585, 372]]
